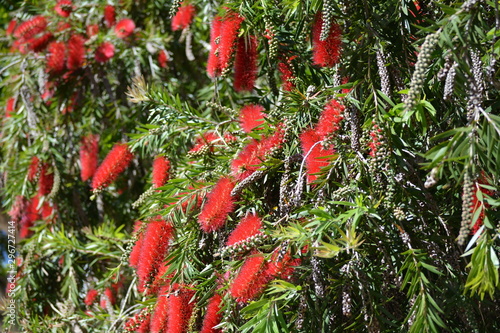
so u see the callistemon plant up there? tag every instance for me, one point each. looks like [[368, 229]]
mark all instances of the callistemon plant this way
[[250, 166]]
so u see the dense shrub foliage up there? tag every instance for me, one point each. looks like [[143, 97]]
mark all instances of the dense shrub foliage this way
[[253, 166]]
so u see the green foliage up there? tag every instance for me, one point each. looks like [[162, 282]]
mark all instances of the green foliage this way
[[373, 242]]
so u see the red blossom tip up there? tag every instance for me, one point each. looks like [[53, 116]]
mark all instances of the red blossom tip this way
[[89, 151], [251, 117], [109, 16], [213, 315], [104, 52], [64, 8]]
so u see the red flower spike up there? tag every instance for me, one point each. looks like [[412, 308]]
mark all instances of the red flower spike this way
[[255, 152], [135, 254], [162, 58], [325, 53], [109, 16], [179, 310], [282, 268], [33, 168], [92, 30], [330, 118], [251, 117], [250, 281], [183, 17], [218, 205], [229, 33], [161, 279], [249, 226], [39, 44], [104, 52], [124, 28], [479, 204], [76, 52], [159, 318], [245, 64], [46, 180], [139, 323], [153, 250], [56, 57], [213, 63], [115, 163], [89, 151], [91, 297], [161, 166], [9, 107], [286, 73], [30, 28], [314, 153], [30, 215], [11, 27], [64, 8], [107, 297], [212, 316]]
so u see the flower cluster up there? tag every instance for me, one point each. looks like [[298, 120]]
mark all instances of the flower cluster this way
[[326, 52], [313, 140], [251, 117], [161, 167], [218, 205], [115, 163], [183, 17]]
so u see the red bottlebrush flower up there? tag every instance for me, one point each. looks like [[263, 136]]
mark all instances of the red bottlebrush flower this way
[[218, 205], [153, 250], [64, 8], [213, 63], [76, 52], [346, 90], [228, 35], [251, 117], [183, 17], [33, 168], [124, 28], [325, 53], [248, 227], [56, 57], [46, 180], [179, 310], [479, 204], [91, 297], [92, 30], [255, 152], [30, 28], [161, 166], [89, 151], [286, 73], [330, 118], [135, 254], [161, 279], [39, 44], [109, 16], [107, 298], [140, 322], [159, 318], [162, 58], [281, 268], [250, 281], [212, 316], [314, 153], [9, 107], [104, 52], [376, 135], [61, 26], [115, 163], [208, 141], [11, 27], [30, 215], [245, 64]]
